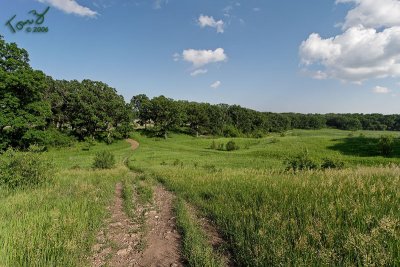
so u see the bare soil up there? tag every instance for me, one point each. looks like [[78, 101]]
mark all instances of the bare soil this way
[[163, 239], [134, 144], [151, 239], [117, 244]]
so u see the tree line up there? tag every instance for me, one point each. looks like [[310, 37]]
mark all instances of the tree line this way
[[166, 114], [37, 109]]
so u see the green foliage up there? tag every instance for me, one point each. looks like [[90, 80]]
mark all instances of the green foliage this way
[[104, 160], [332, 163], [300, 162], [231, 131], [213, 145], [51, 138], [166, 114], [386, 145], [24, 169], [231, 146]]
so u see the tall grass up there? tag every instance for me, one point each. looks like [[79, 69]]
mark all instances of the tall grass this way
[[196, 249], [270, 217], [55, 224]]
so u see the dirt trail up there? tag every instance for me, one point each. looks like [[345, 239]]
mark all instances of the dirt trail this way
[[134, 144], [123, 242], [117, 244], [163, 240]]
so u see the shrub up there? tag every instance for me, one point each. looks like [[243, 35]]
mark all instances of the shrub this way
[[24, 169], [50, 137], [332, 163], [220, 147], [301, 162], [89, 142], [258, 134], [231, 145], [385, 145], [213, 145], [104, 160], [231, 131]]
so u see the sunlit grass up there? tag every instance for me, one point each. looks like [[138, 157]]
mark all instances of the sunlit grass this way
[[55, 224], [270, 217]]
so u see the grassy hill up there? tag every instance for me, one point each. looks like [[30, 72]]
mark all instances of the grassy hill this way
[[267, 215]]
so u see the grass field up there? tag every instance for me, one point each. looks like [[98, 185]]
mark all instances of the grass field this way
[[270, 217], [54, 225]]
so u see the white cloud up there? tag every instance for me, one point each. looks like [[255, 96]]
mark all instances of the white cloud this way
[[157, 4], [198, 72], [372, 13], [70, 7], [200, 58], [215, 85], [256, 9], [364, 50], [381, 90], [356, 55], [176, 57], [206, 21]]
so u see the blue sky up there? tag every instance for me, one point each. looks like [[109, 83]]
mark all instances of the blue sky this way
[[281, 56]]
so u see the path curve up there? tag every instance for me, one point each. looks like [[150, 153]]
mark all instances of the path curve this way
[[134, 144]]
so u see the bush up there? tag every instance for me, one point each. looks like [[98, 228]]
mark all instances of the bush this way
[[50, 137], [332, 163], [258, 134], [385, 145], [104, 160], [220, 147], [24, 169], [231, 131], [231, 146], [213, 145], [301, 162]]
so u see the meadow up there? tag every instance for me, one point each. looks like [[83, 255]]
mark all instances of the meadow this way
[[268, 216], [55, 224]]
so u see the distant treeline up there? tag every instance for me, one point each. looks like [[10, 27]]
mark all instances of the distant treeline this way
[[36, 109], [233, 120]]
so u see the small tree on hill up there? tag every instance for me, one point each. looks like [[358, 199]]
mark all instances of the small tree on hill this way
[[386, 145]]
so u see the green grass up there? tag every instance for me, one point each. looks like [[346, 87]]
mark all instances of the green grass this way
[[270, 217], [55, 225], [127, 196], [196, 249]]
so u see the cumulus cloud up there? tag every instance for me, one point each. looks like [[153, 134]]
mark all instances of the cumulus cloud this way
[[206, 21], [372, 13], [200, 58], [381, 90], [361, 52], [215, 85], [70, 7], [198, 72]]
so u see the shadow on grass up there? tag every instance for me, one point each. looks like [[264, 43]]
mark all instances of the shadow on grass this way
[[363, 147]]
